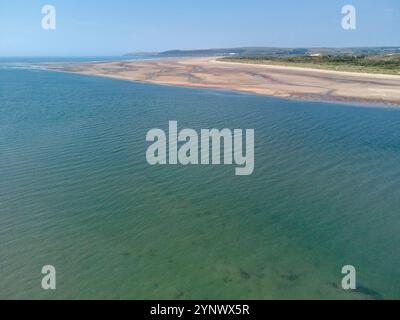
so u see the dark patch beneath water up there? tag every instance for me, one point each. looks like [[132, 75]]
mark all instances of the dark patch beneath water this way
[[371, 293], [290, 276], [244, 274]]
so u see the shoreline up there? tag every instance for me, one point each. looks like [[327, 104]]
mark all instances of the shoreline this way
[[268, 80], [350, 103]]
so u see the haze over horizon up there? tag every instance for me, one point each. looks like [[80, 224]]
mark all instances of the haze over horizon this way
[[119, 27]]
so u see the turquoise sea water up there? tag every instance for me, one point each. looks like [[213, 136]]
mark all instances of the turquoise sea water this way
[[76, 192]]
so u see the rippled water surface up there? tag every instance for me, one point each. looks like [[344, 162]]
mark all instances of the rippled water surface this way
[[76, 192]]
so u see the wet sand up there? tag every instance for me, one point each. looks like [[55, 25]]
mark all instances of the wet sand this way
[[279, 81]]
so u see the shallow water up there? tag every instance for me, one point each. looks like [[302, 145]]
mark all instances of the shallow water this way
[[76, 192]]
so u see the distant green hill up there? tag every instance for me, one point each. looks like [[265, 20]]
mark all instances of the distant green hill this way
[[256, 51], [274, 52]]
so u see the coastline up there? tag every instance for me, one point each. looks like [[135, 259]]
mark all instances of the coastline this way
[[269, 80]]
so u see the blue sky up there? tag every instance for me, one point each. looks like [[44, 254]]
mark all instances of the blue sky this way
[[115, 27]]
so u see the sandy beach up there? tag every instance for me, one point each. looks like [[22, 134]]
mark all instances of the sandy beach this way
[[271, 80]]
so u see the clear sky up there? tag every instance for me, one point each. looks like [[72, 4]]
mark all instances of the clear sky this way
[[114, 27]]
